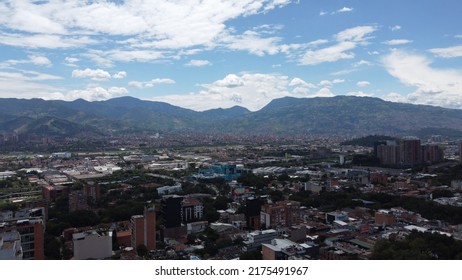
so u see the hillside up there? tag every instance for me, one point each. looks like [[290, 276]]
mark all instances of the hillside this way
[[340, 115]]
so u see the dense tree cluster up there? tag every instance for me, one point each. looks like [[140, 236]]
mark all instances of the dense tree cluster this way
[[419, 246]]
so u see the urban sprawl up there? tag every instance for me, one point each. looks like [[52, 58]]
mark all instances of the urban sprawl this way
[[192, 196]]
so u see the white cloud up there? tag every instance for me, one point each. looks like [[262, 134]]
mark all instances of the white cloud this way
[[91, 93], [450, 52], [198, 63], [395, 27], [458, 36], [356, 34], [318, 42], [230, 81], [71, 61], [300, 82], [329, 54], [250, 90], [253, 42], [396, 42], [361, 63], [433, 86], [108, 58], [152, 24], [329, 84], [301, 87], [395, 97], [119, 75], [345, 10], [38, 60], [151, 83], [46, 41], [26, 85], [323, 13], [347, 40], [363, 83], [323, 92], [358, 94], [94, 74]]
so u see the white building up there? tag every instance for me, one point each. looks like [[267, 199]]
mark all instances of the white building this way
[[257, 238]]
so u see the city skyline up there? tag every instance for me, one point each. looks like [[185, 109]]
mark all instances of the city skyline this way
[[210, 54]]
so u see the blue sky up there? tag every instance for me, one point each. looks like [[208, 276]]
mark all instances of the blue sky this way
[[204, 54]]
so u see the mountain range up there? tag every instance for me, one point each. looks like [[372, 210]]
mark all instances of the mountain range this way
[[340, 115]]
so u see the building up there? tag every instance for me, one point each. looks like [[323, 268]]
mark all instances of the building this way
[[31, 231], [333, 253], [257, 238], [281, 214], [10, 245], [336, 216], [389, 154], [252, 213], [191, 210], [432, 153], [171, 210], [77, 201], [92, 245], [166, 190], [228, 172], [282, 249], [51, 193], [411, 152], [460, 150], [384, 217], [143, 229], [92, 192]]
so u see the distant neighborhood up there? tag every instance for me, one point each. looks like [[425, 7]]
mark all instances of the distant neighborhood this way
[[314, 198]]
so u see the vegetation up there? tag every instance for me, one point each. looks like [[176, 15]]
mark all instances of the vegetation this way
[[419, 246]]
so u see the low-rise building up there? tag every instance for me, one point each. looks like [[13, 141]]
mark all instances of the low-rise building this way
[[92, 245]]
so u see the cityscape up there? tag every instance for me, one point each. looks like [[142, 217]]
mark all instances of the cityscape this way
[[230, 130], [325, 198]]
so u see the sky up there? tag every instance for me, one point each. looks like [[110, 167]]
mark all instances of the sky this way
[[204, 54]]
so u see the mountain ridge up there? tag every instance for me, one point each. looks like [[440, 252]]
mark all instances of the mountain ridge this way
[[339, 115]]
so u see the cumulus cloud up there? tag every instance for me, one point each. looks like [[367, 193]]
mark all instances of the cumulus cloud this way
[[198, 63], [166, 25], [91, 93], [395, 27], [151, 83], [119, 75], [433, 86], [396, 42], [250, 90], [347, 40], [94, 74], [301, 86], [450, 52], [323, 92]]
